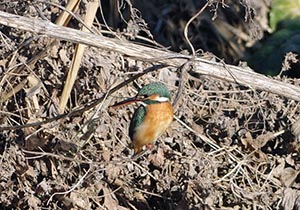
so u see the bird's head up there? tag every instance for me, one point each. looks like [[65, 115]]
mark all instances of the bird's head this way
[[154, 92], [151, 93]]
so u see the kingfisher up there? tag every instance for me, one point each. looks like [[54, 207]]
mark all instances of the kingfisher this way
[[152, 118]]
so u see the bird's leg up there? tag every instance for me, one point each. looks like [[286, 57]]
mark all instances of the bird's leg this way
[[150, 146]]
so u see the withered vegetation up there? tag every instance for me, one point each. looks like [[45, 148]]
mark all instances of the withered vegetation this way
[[230, 146]]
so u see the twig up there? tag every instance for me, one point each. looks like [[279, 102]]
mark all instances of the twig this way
[[187, 65], [204, 138], [185, 32], [70, 190], [242, 76], [86, 107]]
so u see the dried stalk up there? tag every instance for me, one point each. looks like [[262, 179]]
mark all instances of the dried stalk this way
[[210, 68]]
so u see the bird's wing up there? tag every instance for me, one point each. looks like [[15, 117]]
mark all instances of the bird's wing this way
[[137, 119]]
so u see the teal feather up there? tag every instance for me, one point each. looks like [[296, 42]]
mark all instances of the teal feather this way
[[138, 118], [155, 88]]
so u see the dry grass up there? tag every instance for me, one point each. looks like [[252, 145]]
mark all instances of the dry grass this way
[[229, 146]]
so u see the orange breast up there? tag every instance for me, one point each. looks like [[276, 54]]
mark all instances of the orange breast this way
[[157, 120]]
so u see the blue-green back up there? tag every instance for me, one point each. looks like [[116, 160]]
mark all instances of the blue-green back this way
[[137, 119]]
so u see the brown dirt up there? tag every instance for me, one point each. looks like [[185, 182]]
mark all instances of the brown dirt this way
[[230, 147]]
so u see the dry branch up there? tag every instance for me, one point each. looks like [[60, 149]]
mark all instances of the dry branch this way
[[218, 70]]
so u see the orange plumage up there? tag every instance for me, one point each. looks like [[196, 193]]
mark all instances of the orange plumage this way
[[153, 116], [157, 119]]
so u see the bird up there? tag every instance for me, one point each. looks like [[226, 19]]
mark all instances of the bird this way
[[153, 116]]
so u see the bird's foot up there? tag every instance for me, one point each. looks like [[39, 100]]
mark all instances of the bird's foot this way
[[149, 146]]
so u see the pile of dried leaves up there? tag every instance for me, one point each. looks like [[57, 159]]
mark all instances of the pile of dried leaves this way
[[229, 147]]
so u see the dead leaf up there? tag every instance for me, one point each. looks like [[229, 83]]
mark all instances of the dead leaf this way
[[34, 202], [63, 56], [80, 200], [34, 142], [291, 199], [247, 140], [43, 187], [288, 176], [31, 173], [35, 85], [296, 129], [158, 158], [167, 75], [290, 160], [263, 139]]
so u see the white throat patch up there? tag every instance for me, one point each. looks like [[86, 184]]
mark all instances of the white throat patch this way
[[162, 99], [158, 99]]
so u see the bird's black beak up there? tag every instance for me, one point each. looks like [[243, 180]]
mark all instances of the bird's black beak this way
[[127, 101]]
